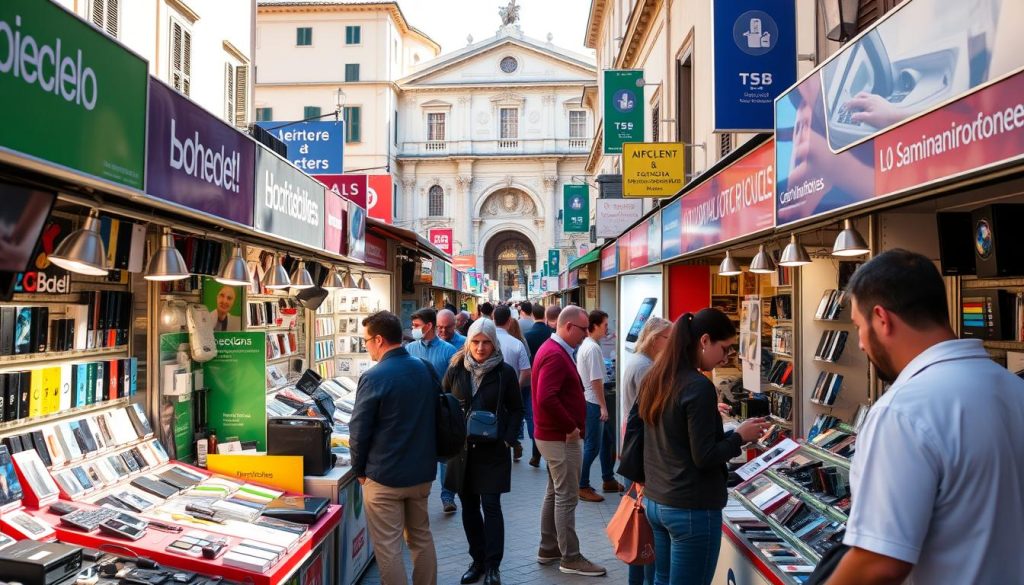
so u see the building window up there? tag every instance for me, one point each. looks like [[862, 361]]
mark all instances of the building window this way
[[395, 126], [577, 124], [310, 112], [229, 93], [105, 15], [304, 36], [264, 114], [656, 123], [436, 201], [724, 144], [181, 57], [353, 35], [353, 124], [509, 64], [509, 123], [352, 72], [241, 118], [435, 126]]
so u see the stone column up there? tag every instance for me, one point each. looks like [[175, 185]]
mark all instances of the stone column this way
[[555, 203], [409, 196], [464, 224]]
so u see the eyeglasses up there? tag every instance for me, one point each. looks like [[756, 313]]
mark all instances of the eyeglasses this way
[[585, 329], [369, 339]]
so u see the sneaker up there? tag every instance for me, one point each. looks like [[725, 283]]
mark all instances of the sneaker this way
[[534, 461], [449, 507], [612, 487], [517, 452], [546, 557], [588, 494], [579, 565]]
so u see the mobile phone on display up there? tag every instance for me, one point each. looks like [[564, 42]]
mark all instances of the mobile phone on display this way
[[642, 315]]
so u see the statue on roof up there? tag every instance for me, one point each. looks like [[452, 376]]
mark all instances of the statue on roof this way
[[509, 14]]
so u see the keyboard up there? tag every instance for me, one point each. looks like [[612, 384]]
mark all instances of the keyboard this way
[[88, 520]]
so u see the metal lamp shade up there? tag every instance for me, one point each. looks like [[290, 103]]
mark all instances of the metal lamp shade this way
[[728, 267], [762, 262], [333, 279], [350, 284], [302, 279], [166, 263], [83, 252], [234, 272], [364, 284], [277, 277], [849, 242], [794, 254]]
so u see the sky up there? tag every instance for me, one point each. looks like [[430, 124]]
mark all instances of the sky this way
[[449, 21]]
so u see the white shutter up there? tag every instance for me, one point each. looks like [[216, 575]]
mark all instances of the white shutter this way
[[98, 9], [113, 17], [105, 15], [229, 93], [241, 95], [187, 60], [176, 75]]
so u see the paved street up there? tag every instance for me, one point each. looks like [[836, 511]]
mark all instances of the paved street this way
[[522, 535]]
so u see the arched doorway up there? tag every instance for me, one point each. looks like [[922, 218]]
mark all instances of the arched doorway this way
[[509, 258]]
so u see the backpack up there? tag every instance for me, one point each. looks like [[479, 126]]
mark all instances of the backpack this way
[[450, 424]]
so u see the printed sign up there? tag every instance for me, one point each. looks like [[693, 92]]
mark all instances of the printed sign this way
[[351, 187], [465, 261], [554, 261], [576, 208], [72, 96], [653, 169], [672, 229], [623, 245], [609, 261], [380, 198], [239, 367], [289, 203], [355, 230], [283, 472], [623, 109], [442, 238], [334, 222], [638, 246], [314, 147], [376, 251], [196, 160], [838, 145], [755, 60], [614, 216]]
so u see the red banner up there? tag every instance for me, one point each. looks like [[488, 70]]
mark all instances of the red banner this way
[[609, 261], [464, 262], [624, 250], [334, 222], [379, 198], [638, 246], [442, 238], [376, 251]]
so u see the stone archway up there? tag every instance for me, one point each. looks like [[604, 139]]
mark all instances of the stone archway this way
[[509, 258]]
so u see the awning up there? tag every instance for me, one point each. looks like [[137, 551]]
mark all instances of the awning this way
[[409, 237], [591, 256]]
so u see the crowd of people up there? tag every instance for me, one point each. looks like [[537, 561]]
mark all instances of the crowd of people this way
[[543, 366]]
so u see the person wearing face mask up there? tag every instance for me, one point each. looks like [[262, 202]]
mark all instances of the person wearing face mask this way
[[427, 346], [686, 449]]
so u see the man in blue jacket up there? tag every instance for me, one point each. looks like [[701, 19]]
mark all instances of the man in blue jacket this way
[[394, 453]]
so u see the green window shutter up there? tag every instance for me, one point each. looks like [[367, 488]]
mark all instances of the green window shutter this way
[[352, 35], [310, 112], [352, 72], [304, 36], [264, 114], [353, 125]]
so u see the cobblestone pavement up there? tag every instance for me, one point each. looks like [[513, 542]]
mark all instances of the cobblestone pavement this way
[[522, 535]]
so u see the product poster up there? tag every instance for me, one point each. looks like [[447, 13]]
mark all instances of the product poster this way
[[357, 550], [750, 343], [236, 379], [175, 409], [225, 304]]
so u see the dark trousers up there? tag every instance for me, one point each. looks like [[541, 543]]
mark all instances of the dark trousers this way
[[528, 418], [485, 532]]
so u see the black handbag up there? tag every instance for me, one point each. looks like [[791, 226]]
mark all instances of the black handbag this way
[[482, 425], [307, 436], [631, 458]]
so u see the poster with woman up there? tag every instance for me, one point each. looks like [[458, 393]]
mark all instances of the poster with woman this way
[[225, 304]]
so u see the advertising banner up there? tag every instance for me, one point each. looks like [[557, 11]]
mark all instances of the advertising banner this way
[[652, 169], [355, 231], [623, 245], [573, 279], [315, 147], [638, 246], [442, 238], [672, 230], [465, 261], [236, 378], [755, 60], [351, 187], [615, 215], [609, 261], [357, 548], [654, 238], [334, 222], [196, 160], [176, 410], [289, 203], [576, 208], [547, 269], [283, 472], [72, 96], [735, 202], [376, 251], [554, 261], [889, 113], [544, 284], [224, 303], [623, 109], [380, 198]]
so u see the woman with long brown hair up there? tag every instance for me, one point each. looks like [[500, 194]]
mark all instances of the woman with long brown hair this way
[[686, 449]]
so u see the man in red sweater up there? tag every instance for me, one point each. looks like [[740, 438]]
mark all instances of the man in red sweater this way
[[559, 420]]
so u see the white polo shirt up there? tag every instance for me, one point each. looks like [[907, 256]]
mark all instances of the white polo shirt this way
[[938, 476], [515, 353], [590, 365]]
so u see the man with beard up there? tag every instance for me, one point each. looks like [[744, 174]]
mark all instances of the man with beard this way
[[939, 470]]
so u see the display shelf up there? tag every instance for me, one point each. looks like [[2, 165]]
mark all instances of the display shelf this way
[[825, 361], [781, 389], [283, 358], [801, 547], [820, 403], [1004, 344], [60, 356], [780, 421], [839, 321], [803, 495], [55, 416], [828, 456], [270, 328], [262, 297]]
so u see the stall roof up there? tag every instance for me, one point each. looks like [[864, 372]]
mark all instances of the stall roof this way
[[591, 256], [407, 236]]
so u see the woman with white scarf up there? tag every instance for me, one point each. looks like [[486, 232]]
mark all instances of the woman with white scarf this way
[[479, 377]]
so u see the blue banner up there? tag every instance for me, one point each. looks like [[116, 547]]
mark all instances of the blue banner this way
[[672, 230], [755, 61], [315, 147]]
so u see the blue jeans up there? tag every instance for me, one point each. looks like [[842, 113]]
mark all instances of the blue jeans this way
[[446, 495], [686, 543], [592, 447], [640, 574]]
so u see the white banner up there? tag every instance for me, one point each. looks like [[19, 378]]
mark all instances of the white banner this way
[[615, 215]]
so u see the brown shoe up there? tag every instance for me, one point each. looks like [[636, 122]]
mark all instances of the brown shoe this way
[[589, 495], [612, 487], [546, 557], [579, 565], [517, 452]]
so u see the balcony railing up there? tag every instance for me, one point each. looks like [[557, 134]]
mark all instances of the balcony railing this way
[[436, 146], [508, 144], [504, 146], [581, 144]]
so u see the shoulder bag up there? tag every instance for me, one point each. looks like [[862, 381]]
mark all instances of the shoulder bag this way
[[482, 425], [631, 457], [450, 427]]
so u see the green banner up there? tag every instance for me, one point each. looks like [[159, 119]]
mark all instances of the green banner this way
[[236, 378], [546, 269], [575, 208], [71, 95], [623, 109], [554, 260]]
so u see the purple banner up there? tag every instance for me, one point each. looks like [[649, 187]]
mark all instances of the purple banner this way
[[196, 160]]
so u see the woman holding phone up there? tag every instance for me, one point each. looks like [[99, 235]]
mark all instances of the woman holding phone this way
[[686, 449]]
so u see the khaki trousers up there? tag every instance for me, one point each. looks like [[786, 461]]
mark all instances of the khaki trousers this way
[[390, 510], [558, 514]]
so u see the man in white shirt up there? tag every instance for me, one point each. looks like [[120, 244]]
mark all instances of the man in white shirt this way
[[590, 365], [938, 477], [512, 349]]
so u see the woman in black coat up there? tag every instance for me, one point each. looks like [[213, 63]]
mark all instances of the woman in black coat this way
[[479, 377]]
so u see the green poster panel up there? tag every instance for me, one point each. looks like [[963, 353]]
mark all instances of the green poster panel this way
[[225, 304], [554, 262], [576, 208], [236, 378], [547, 269], [623, 109], [184, 431], [71, 95]]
